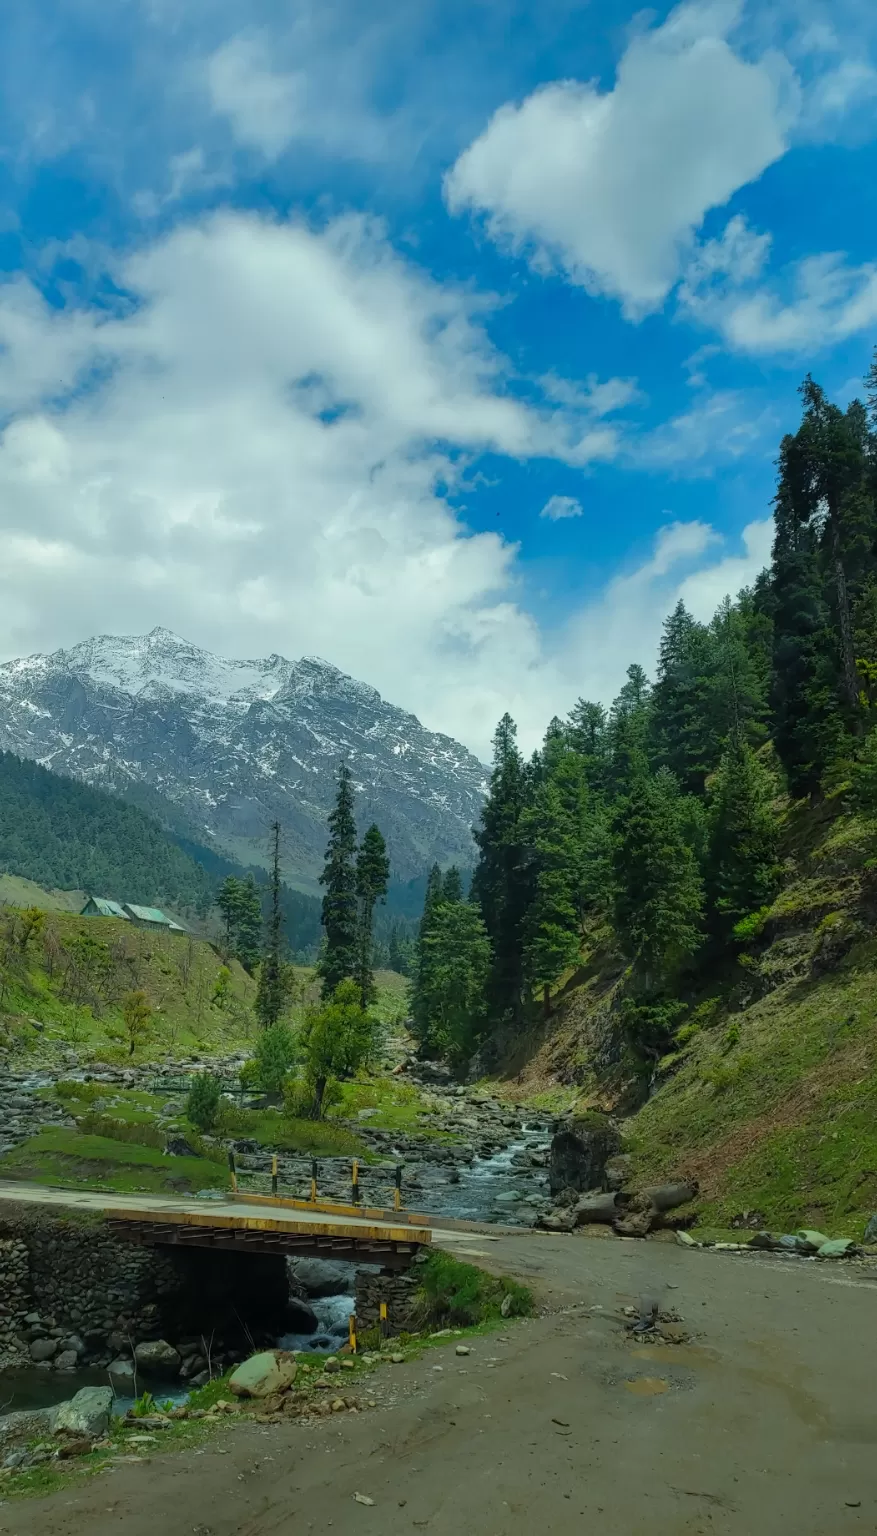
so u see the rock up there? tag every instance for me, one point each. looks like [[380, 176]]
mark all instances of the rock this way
[[67, 1360], [462, 1349], [177, 1146], [837, 1248], [300, 1317], [556, 1221], [200, 1380], [156, 1357], [506, 1305], [122, 1379], [685, 1240], [75, 1343], [870, 1235], [43, 1349], [88, 1413], [580, 1152], [618, 1171], [264, 1374], [763, 1241], [812, 1240], [595, 1207], [331, 1364]]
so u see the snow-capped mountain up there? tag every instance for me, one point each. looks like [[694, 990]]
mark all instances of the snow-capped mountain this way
[[233, 745]]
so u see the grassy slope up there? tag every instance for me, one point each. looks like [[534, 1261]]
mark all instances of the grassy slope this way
[[178, 974], [772, 1103], [17, 892]]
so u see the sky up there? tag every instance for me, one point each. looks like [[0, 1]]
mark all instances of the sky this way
[[449, 340]]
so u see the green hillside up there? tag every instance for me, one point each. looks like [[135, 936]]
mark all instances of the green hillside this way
[[66, 836]]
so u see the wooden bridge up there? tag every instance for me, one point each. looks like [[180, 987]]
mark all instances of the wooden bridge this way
[[245, 1224]]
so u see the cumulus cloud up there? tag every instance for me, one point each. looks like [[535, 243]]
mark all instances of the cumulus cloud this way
[[252, 449], [559, 507], [611, 186]]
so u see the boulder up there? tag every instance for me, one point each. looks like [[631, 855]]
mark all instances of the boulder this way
[[300, 1318], [579, 1154], [666, 1197], [264, 1374], [871, 1231], [322, 1277], [67, 1360], [122, 1378], [43, 1349], [178, 1146], [556, 1221], [88, 1413], [75, 1343], [155, 1357]]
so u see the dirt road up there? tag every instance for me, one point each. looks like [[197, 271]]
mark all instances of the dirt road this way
[[767, 1422]]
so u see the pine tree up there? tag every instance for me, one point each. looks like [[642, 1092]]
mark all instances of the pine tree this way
[[628, 730], [419, 990], [659, 891], [555, 828], [458, 963], [372, 877], [452, 885], [587, 733], [501, 885], [272, 988], [228, 902], [742, 862], [340, 957], [248, 937]]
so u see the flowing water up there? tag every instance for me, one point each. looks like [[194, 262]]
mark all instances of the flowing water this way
[[333, 1314]]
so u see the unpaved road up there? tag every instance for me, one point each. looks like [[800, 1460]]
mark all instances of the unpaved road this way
[[766, 1423]]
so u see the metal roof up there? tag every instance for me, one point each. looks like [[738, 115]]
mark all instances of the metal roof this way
[[148, 914], [106, 908]]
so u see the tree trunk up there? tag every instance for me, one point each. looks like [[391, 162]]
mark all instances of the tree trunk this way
[[319, 1090]]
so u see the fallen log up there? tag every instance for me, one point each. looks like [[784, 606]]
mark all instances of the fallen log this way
[[595, 1207], [665, 1197]]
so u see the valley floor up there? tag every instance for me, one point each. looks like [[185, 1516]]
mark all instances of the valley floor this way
[[763, 1422]]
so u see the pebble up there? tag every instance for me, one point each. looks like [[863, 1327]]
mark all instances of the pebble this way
[[462, 1349]]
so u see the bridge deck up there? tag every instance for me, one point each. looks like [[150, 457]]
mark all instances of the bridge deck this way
[[235, 1224]]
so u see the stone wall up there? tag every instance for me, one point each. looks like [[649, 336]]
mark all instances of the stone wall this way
[[93, 1284], [14, 1302], [399, 1291]]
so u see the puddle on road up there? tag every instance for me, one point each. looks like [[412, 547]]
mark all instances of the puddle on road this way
[[647, 1386], [675, 1354]]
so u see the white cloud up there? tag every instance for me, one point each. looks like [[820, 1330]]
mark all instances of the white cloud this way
[[249, 452], [721, 425], [559, 507], [814, 303], [611, 186], [623, 624], [266, 107]]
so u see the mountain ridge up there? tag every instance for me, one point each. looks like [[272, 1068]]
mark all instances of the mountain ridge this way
[[232, 744]]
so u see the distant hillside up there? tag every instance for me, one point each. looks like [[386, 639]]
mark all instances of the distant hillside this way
[[66, 836]]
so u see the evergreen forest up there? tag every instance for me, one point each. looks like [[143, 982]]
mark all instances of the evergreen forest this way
[[652, 830]]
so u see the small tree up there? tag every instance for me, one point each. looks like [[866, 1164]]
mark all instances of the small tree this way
[[372, 875], [275, 1054], [337, 1039], [222, 988], [339, 956], [137, 1018], [202, 1102]]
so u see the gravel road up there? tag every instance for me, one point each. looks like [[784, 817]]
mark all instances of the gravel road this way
[[765, 1421]]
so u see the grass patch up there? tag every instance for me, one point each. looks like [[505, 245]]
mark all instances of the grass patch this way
[[73, 1160], [394, 1106], [271, 1128], [453, 1293]]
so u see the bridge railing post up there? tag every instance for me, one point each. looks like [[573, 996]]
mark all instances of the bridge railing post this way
[[232, 1170], [315, 1173], [354, 1182], [274, 1174], [397, 1192]]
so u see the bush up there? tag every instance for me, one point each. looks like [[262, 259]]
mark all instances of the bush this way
[[455, 1293], [202, 1103], [275, 1054], [751, 927]]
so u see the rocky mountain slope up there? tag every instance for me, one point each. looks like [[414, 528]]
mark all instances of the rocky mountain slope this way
[[769, 1097], [227, 746]]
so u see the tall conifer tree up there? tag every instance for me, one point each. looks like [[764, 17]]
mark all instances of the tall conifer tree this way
[[339, 959]]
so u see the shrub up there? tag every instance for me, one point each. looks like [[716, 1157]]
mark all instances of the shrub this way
[[751, 927], [275, 1054], [202, 1103]]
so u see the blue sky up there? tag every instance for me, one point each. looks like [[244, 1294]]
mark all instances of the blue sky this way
[[452, 342]]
